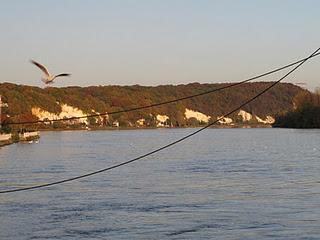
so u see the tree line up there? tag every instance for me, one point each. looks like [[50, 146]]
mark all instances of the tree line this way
[[21, 99], [305, 114]]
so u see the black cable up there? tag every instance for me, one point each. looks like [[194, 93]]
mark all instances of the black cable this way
[[163, 147], [166, 102]]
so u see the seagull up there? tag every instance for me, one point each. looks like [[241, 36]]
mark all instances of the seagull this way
[[48, 79]]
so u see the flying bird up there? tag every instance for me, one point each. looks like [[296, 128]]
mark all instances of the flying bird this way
[[48, 78]]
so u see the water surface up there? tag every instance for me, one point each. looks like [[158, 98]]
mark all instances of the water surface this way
[[222, 183]]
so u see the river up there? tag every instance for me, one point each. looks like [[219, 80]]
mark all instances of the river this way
[[219, 184]]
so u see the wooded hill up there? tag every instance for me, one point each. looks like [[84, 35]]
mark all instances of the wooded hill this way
[[306, 112], [21, 99]]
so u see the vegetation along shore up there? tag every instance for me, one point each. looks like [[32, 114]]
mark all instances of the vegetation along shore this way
[[29, 104]]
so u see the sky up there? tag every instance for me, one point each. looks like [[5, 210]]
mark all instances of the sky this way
[[148, 42]]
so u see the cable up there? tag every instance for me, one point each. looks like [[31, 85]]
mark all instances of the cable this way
[[161, 148], [166, 102]]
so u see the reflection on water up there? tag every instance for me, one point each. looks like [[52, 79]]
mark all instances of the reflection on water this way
[[222, 183]]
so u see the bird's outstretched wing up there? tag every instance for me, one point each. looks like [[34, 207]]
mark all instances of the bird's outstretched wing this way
[[43, 68], [62, 75]]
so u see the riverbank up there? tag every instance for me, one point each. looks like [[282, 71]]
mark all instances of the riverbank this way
[[4, 143], [7, 139], [307, 116], [144, 128]]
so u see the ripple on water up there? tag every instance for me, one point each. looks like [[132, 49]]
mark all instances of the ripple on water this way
[[224, 184]]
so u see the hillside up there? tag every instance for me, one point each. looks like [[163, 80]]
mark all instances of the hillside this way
[[306, 112], [28, 103]]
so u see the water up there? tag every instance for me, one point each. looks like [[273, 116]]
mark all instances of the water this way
[[222, 184]]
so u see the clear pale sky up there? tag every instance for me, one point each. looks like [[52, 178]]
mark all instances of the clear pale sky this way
[[151, 42]]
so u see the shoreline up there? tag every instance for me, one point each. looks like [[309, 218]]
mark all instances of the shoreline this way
[[37, 137], [5, 143], [25, 137], [152, 128]]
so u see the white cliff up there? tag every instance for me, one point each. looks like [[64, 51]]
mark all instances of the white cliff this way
[[141, 122], [224, 120], [246, 117], [66, 112], [197, 115], [268, 120], [161, 120]]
